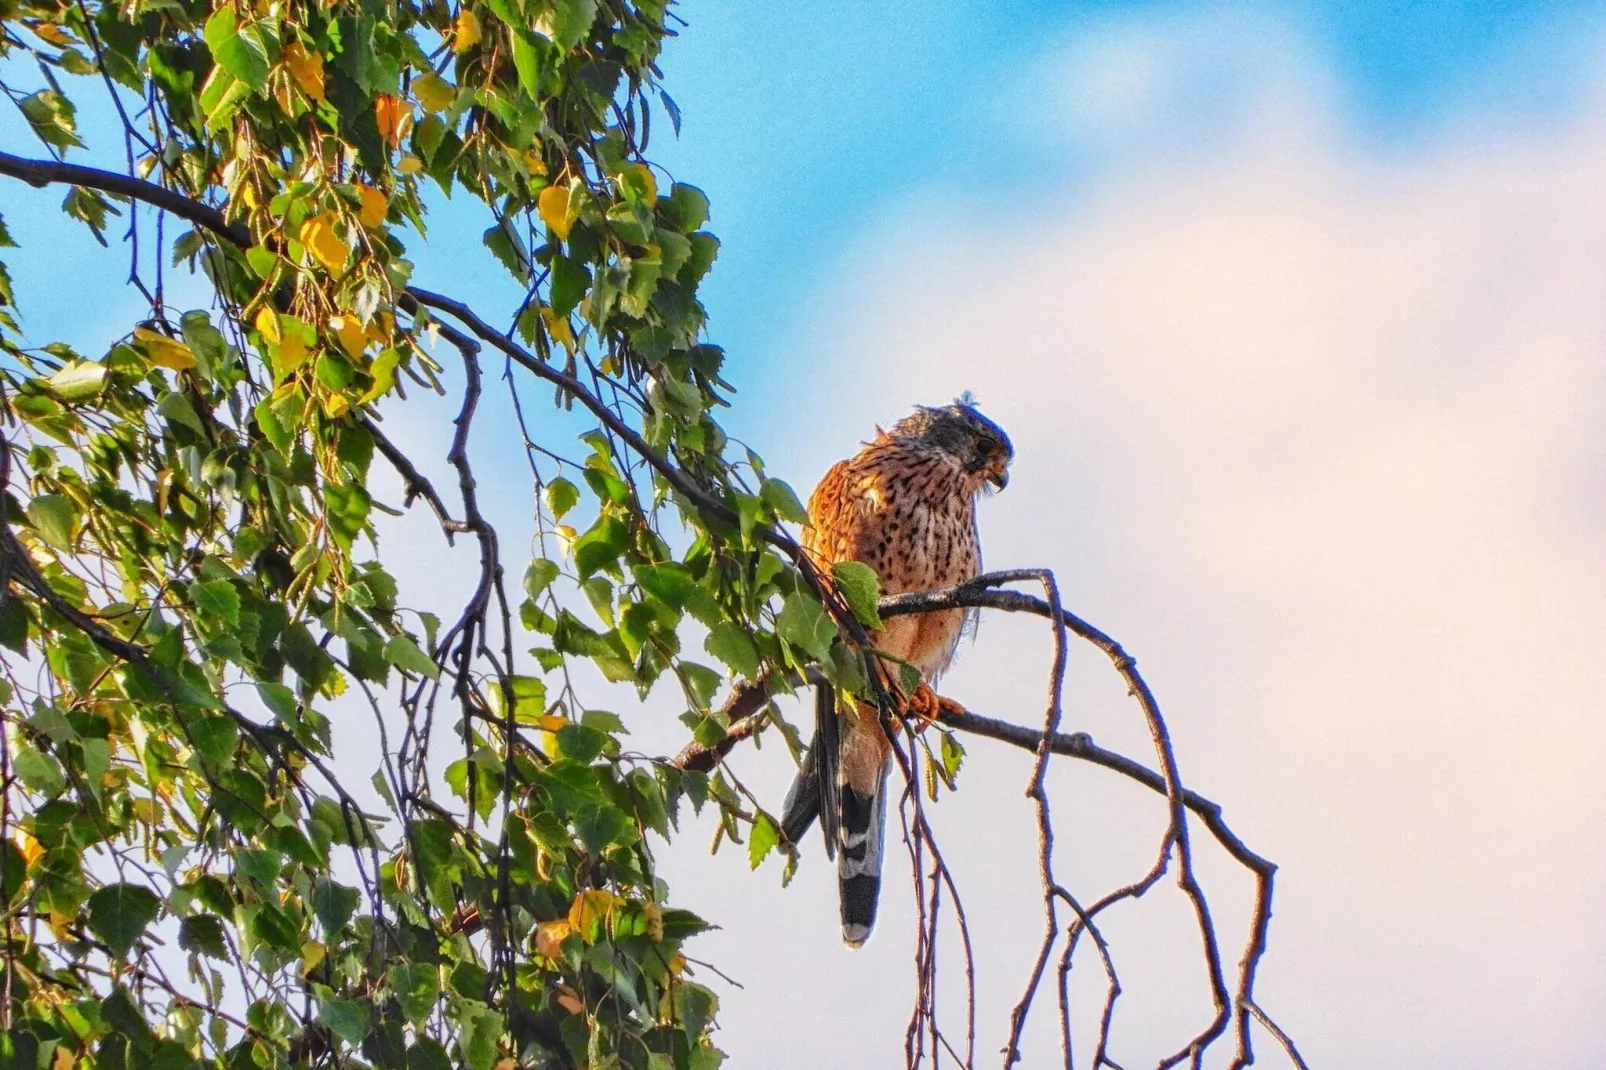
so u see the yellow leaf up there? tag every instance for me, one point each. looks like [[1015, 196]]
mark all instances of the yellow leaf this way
[[312, 953], [590, 909], [336, 406], [380, 326], [467, 32], [534, 161], [559, 207], [409, 165], [639, 176], [291, 352], [655, 922], [551, 722], [558, 327], [374, 205], [388, 113], [318, 234], [434, 92], [267, 324], [54, 34], [549, 936], [306, 68], [348, 332], [30, 847], [164, 351]]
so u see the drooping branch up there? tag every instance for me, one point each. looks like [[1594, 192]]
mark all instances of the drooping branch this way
[[744, 708]]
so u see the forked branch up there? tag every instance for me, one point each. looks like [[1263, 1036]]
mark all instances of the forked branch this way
[[747, 709]]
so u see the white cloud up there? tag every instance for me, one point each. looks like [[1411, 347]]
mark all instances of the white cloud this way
[[1320, 435]]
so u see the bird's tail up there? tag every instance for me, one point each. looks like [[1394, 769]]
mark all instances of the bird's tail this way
[[858, 867], [852, 817]]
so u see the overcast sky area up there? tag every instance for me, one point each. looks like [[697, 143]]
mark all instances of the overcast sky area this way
[[1296, 315]]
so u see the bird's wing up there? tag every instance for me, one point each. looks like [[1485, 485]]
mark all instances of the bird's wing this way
[[815, 793]]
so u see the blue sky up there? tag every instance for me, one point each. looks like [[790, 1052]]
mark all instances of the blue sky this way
[[1293, 312]]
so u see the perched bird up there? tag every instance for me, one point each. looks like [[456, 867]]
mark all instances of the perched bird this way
[[905, 505]]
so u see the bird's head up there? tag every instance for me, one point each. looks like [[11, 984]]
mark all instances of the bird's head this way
[[977, 444]]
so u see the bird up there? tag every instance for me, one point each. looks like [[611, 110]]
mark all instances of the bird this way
[[905, 505]]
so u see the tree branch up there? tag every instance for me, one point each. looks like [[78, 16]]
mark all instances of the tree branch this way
[[745, 702], [41, 173]]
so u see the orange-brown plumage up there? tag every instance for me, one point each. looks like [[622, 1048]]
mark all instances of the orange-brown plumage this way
[[905, 505]]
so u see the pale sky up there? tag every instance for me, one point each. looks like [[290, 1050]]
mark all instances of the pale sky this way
[[1311, 414]]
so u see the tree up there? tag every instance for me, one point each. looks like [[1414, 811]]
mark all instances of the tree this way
[[192, 587]]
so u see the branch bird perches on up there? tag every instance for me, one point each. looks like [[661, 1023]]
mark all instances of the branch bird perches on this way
[[746, 709]]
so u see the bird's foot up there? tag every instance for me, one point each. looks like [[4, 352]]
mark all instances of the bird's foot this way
[[927, 707]]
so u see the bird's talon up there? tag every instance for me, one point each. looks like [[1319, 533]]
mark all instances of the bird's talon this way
[[927, 707]]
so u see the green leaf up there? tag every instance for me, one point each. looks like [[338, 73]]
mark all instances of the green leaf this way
[[601, 545], [731, 643], [480, 1029], [507, 245], [600, 826], [779, 496], [52, 118], [694, 1007], [203, 934], [119, 914], [529, 698], [215, 738], [334, 904], [688, 206], [279, 699], [953, 756], [219, 598], [178, 409], [581, 742], [403, 653], [53, 518], [571, 21], [273, 927], [859, 587], [204, 340], [428, 1054], [671, 583], [570, 281], [529, 58], [238, 49], [39, 771], [13, 871], [762, 839], [561, 496], [121, 1012], [78, 381], [261, 868], [416, 986], [14, 626], [346, 1018], [804, 623]]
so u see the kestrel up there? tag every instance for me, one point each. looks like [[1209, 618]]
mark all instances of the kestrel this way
[[905, 505]]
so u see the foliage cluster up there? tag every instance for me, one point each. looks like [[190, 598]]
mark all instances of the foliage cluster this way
[[192, 596]]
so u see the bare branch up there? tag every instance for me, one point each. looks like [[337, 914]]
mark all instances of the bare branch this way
[[41, 173]]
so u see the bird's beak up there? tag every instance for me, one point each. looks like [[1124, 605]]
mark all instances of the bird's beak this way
[[999, 479]]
